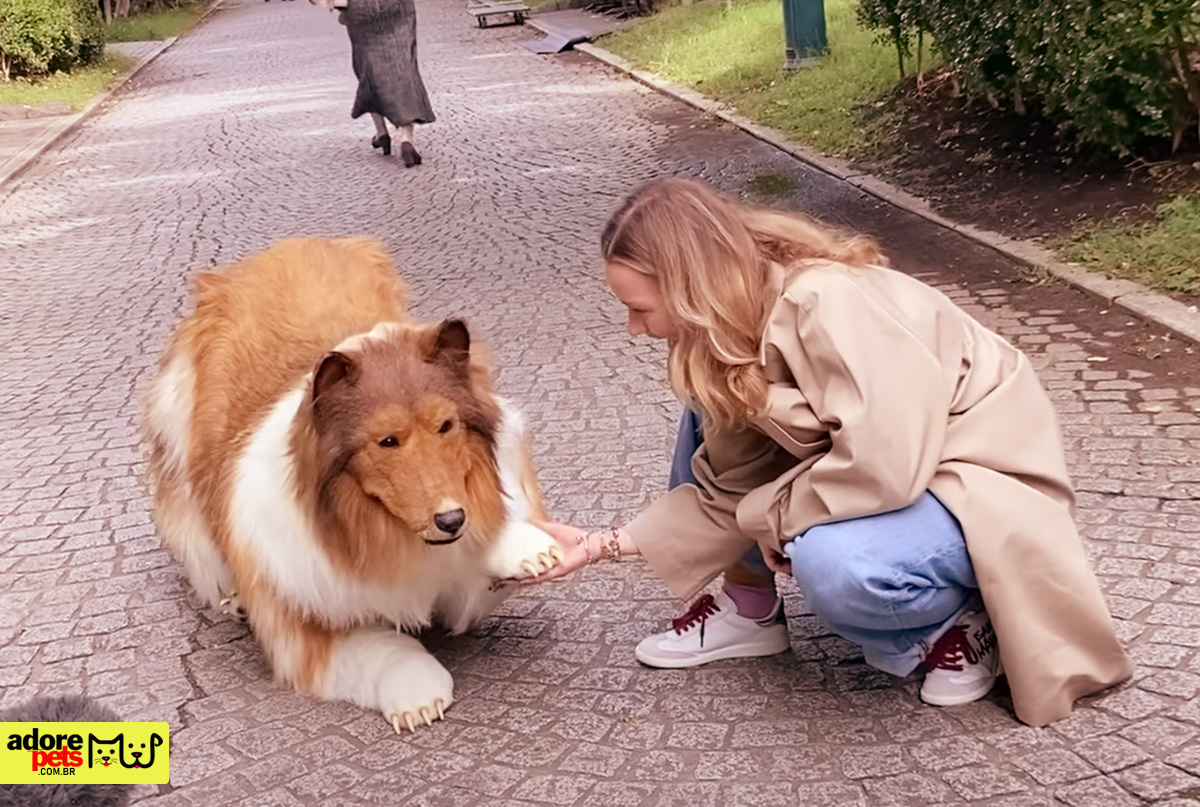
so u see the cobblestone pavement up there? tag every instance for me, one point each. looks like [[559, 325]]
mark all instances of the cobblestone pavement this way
[[239, 134]]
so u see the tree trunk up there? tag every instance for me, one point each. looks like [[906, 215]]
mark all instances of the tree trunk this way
[[896, 34], [1183, 63]]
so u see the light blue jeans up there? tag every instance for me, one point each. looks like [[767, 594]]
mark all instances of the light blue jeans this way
[[891, 583]]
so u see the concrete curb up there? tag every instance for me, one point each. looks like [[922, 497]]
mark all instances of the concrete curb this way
[[40, 143], [1158, 308]]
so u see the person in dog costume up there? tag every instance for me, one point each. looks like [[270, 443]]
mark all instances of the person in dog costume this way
[[850, 425]]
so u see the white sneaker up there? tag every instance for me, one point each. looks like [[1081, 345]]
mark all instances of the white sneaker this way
[[963, 664], [711, 630]]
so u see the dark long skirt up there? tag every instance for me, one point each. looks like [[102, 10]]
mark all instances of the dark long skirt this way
[[383, 43]]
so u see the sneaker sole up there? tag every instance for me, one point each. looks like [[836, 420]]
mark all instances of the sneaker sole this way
[[958, 700], [694, 660]]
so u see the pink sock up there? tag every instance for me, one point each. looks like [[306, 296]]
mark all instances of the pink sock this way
[[752, 602]]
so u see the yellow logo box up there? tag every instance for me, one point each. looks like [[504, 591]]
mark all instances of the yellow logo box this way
[[102, 753]]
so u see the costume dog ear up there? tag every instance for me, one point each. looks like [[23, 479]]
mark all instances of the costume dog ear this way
[[335, 368], [452, 345]]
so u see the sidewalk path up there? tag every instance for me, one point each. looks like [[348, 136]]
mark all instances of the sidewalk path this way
[[238, 135], [26, 132]]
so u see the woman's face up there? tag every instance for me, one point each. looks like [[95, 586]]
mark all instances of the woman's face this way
[[643, 301]]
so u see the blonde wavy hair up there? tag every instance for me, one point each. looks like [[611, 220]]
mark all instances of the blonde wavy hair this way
[[712, 256]]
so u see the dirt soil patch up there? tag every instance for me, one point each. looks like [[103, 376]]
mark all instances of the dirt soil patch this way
[[1011, 173]]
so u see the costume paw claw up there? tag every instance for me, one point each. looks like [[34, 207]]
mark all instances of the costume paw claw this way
[[426, 714], [524, 551], [232, 605], [544, 562], [541, 563]]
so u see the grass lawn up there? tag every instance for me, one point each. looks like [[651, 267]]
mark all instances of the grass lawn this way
[[155, 25], [1164, 254], [737, 57], [85, 83], [75, 88]]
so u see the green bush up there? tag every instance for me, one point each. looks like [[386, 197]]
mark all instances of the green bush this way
[[975, 36], [1115, 73], [1104, 68], [38, 37], [90, 28]]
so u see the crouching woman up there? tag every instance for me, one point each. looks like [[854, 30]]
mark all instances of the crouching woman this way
[[849, 424]]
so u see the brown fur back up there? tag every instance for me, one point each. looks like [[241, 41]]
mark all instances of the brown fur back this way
[[322, 291]]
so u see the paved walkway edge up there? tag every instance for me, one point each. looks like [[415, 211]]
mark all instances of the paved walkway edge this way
[[38, 145], [49, 136], [1159, 308]]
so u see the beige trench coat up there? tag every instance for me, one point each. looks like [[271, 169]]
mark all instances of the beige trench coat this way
[[881, 388]]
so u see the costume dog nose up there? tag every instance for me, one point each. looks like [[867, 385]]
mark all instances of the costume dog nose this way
[[450, 521]]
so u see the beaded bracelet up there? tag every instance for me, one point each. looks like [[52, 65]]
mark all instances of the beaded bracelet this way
[[610, 545]]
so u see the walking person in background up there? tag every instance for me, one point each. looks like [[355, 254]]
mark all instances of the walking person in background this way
[[850, 425], [383, 45]]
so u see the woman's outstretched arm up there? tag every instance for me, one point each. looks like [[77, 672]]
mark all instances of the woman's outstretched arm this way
[[581, 548]]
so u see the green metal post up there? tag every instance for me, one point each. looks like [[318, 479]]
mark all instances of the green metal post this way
[[804, 30]]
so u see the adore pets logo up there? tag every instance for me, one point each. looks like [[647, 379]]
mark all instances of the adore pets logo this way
[[113, 753]]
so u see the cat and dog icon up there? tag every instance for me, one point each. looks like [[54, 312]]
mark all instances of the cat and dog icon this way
[[117, 750]]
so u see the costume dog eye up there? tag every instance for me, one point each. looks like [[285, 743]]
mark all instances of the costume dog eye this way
[[446, 426], [389, 442]]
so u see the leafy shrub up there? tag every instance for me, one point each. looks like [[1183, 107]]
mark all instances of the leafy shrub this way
[[1115, 73], [90, 30], [38, 37], [1104, 68], [975, 36]]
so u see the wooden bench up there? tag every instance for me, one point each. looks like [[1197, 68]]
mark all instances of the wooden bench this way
[[482, 10]]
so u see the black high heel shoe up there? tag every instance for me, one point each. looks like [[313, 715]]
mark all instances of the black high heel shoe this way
[[383, 141], [410, 154]]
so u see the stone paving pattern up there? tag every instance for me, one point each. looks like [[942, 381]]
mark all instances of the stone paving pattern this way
[[239, 134]]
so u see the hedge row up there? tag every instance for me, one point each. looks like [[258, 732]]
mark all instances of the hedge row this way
[[1116, 73], [38, 37]]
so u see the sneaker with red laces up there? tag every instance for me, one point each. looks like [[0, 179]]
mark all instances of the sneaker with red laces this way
[[963, 664], [711, 630]]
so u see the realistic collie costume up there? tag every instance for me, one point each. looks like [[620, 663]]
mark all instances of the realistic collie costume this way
[[342, 471]]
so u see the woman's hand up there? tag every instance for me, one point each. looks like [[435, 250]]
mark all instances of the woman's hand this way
[[575, 552], [776, 561]]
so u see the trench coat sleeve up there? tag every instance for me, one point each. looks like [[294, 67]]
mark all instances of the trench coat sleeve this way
[[691, 535], [882, 392]]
